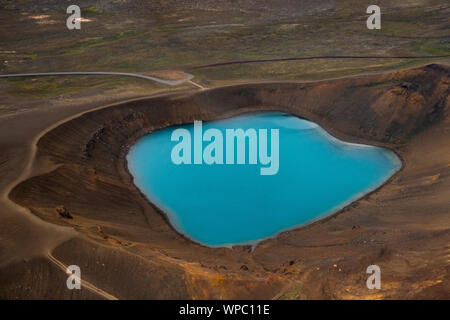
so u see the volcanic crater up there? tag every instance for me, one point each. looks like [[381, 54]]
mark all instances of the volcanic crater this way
[[405, 111]]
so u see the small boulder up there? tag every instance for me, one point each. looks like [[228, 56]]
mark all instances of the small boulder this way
[[63, 212]]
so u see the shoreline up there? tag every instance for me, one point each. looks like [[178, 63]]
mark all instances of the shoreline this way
[[254, 243]]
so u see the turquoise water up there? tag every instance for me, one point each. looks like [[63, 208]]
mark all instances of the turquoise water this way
[[223, 204]]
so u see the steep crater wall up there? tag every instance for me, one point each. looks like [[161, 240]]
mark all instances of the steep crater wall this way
[[382, 109]]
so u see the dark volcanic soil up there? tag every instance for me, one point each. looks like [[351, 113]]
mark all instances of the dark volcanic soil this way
[[126, 247]]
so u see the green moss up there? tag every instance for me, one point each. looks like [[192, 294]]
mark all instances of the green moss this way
[[89, 11], [51, 87], [336, 230], [295, 293], [101, 41], [13, 56]]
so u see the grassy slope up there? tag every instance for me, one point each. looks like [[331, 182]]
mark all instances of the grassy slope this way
[[142, 36]]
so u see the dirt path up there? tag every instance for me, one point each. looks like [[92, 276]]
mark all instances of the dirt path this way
[[84, 283], [187, 78], [197, 85], [220, 64]]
